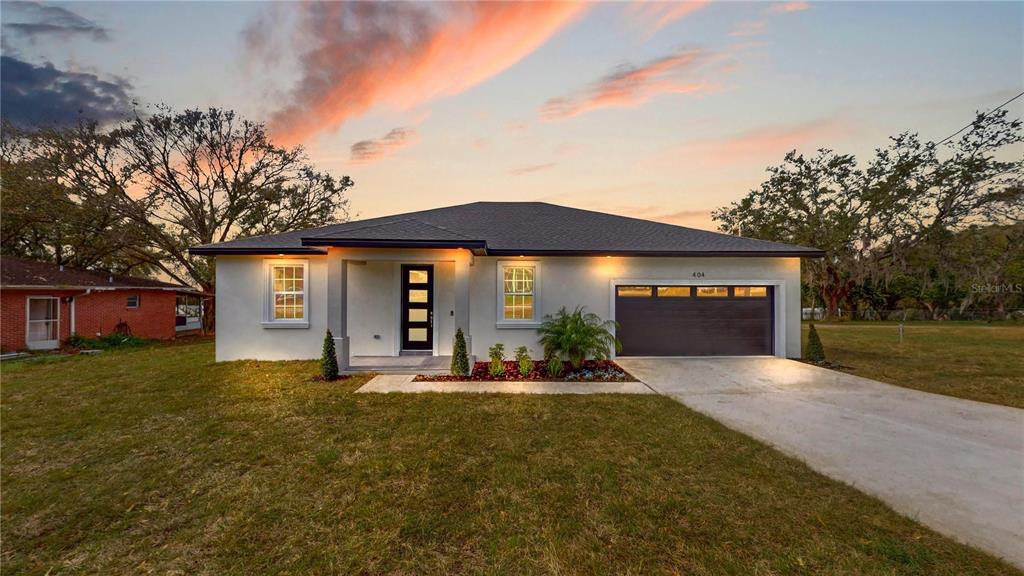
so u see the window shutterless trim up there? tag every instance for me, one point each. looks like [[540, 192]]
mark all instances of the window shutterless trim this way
[[268, 320], [535, 320]]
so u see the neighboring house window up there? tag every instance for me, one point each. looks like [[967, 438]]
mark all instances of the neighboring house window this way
[[43, 321], [287, 290], [188, 312], [133, 301], [519, 292]]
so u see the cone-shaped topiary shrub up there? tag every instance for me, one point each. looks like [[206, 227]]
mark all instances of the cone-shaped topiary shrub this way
[[815, 351], [329, 358], [460, 356]]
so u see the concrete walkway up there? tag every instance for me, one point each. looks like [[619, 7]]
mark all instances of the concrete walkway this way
[[403, 383], [955, 465]]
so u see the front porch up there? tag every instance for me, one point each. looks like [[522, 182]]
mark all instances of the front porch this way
[[399, 364], [396, 310]]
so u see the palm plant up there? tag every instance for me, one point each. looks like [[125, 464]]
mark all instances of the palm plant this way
[[577, 335]]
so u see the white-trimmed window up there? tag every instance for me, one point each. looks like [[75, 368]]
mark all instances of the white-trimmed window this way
[[42, 322], [518, 292], [133, 301], [287, 293]]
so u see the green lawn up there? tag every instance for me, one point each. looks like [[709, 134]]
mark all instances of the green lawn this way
[[967, 360], [158, 460]]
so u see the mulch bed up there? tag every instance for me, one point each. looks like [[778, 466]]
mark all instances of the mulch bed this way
[[590, 371]]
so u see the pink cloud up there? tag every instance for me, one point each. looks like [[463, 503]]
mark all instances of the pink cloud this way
[[532, 168], [366, 151], [631, 86], [354, 56], [699, 218], [760, 144], [749, 28], [781, 7], [657, 15]]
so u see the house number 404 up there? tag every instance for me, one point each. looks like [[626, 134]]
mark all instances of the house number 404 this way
[[698, 274]]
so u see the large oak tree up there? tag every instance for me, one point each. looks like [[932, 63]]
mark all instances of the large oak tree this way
[[179, 179], [900, 215]]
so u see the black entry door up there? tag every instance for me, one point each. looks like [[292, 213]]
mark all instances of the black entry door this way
[[695, 320], [417, 307]]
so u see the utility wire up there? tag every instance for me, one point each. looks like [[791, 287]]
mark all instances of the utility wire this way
[[954, 134]]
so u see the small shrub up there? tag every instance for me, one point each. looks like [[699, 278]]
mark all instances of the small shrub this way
[[815, 351], [554, 365], [524, 361], [122, 329], [105, 342], [329, 358], [578, 335], [497, 354], [460, 356]]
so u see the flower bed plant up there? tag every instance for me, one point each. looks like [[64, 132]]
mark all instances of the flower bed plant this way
[[589, 371]]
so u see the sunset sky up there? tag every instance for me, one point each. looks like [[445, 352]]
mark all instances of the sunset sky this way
[[656, 110]]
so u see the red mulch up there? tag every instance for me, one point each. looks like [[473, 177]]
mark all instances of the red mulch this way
[[481, 373]]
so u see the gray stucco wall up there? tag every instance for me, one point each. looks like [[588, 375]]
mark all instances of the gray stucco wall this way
[[373, 298], [572, 282]]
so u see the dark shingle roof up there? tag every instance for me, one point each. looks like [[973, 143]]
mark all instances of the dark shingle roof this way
[[21, 272], [514, 228]]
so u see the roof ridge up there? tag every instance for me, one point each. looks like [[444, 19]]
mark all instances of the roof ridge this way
[[445, 228], [390, 223], [353, 228]]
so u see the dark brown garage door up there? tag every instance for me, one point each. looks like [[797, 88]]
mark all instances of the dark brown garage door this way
[[694, 320]]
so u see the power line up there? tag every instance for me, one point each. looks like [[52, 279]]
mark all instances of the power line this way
[[954, 134]]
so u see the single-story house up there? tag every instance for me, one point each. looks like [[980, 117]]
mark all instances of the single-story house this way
[[403, 284], [42, 304]]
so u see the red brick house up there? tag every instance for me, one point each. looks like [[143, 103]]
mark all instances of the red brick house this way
[[42, 304]]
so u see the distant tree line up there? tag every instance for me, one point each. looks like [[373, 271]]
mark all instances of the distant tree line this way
[[132, 197], [923, 226]]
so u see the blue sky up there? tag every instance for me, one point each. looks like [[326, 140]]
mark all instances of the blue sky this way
[[592, 105]]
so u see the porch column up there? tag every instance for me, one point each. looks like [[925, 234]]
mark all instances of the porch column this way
[[337, 305], [462, 269]]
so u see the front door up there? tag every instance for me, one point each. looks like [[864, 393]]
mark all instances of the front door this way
[[417, 307]]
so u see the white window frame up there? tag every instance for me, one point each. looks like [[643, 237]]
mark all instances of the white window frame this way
[[268, 294], [138, 301], [533, 322], [41, 344]]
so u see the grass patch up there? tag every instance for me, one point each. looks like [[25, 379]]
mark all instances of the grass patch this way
[[160, 460], [967, 360]]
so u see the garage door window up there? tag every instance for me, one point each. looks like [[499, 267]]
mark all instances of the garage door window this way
[[750, 292], [634, 291], [712, 292], [673, 291]]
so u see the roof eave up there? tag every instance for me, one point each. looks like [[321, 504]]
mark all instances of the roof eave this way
[[251, 251], [665, 253]]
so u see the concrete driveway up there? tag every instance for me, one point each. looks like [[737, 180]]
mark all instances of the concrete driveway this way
[[955, 465]]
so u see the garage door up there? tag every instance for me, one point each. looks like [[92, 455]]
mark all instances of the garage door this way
[[694, 320]]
